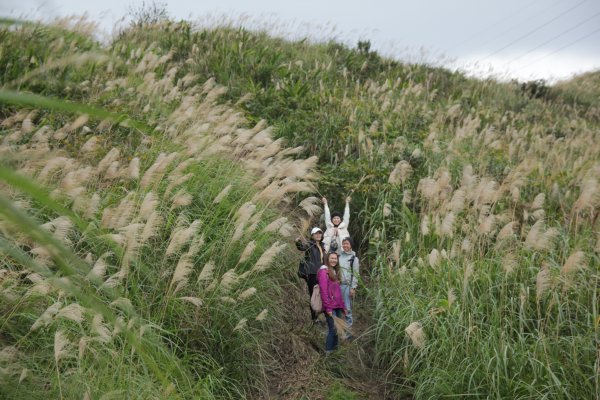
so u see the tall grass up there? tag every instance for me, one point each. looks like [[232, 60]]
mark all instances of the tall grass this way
[[477, 204], [472, 197], [135, 256]]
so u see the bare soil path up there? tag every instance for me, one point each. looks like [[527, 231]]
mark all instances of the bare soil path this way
[[303, 372]]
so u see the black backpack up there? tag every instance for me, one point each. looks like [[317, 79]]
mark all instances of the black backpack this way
[[302, 269], [352, 269]]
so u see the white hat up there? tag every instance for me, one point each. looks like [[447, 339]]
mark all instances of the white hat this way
[[315, 230]]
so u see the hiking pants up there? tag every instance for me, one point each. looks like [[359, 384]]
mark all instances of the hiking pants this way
[[332, 338], [348, 302]]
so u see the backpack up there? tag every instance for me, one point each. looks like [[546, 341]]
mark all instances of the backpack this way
[[303, 270], [333, 245], [315, 300], [352, 270]]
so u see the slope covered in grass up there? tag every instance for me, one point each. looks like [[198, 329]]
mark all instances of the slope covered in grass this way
[[141, 227], [475, 204]]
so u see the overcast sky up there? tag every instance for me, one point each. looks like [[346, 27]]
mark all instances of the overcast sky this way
[[524, 39]]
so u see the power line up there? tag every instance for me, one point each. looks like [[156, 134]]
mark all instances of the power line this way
[[560, 49], [555, 37], [510, 29], [534, 30], [488, 27]]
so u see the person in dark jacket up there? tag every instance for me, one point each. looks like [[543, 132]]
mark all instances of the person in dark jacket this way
[[314, 254]]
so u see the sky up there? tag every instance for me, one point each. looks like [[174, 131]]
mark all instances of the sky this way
[[504, 39]]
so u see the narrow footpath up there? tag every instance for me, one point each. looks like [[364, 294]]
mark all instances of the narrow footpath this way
[[303, 371]]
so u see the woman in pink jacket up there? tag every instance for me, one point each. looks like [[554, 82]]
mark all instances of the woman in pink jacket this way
[[331, 296]]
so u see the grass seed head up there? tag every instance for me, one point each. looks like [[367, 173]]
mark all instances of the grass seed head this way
[[61, 345], [416, 334]]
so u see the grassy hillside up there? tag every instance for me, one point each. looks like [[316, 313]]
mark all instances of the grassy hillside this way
[[141, 228], [475, 204]]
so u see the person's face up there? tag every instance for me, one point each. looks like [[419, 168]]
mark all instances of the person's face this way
[[333, 259], [336, 220], [317, 236], [346, 246]]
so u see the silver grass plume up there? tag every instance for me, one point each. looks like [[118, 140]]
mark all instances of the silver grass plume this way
[[182, 272], [248, 250], [542, 281], [99, 269], [425, 225], [194, 300], [396, 251], [311, 205], [222, 194], [73, 312], [267, 257], [108, 159], [181, 199], [133, 171], [177, 180], [540, 239], [181, 236], [262, 315], [447, 227], [468, 272], [61, 345], [207, 272], [400, 173], [575, 262], [241, 324], [90, 146], [387, 210], [152, 227], [275, 225], [434, 258], [457, 204], [589, 197], [99, 329], [538, 201], [246, 294], [243, 214], [148, 206], [416, 334], [229, 279]]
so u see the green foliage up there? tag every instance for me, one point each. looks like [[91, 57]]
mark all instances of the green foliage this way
[[88, 307], [499, 317], [337, 391]]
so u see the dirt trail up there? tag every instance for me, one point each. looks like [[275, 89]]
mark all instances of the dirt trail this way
[[303, 372]]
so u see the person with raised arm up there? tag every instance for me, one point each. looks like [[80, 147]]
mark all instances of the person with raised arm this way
[[314, 256], [336, 227]]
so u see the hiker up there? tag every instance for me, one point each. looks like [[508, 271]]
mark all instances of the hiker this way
[[349, 266], [313, 259], [331, 297], [337, 227]]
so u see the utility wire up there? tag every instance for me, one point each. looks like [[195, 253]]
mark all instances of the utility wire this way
[[510, 28], [488, 27], [556, 37], [560, 48], [534, 30]]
